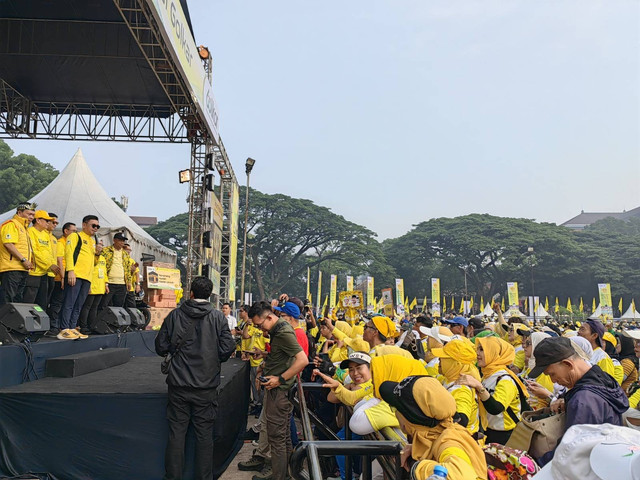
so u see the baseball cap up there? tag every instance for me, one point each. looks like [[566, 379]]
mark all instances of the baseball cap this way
[[549, 351], [608, 336], [597, 327], [595, 452], [289, 308], [43, 214], [441, 334], [357, 344], [120, 236], [635, 334], [457, 321], [384, 325], [360, 358]]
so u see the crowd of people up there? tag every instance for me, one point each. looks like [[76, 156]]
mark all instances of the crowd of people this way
[[72, 277], [454, 388]]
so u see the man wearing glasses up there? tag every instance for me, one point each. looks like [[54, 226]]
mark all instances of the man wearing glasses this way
[[37, 287], [15, 254], [81, 254]]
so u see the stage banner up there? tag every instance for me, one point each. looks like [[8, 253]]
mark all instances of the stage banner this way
[[177, 34], [234, 203], [512, 290], [606, 304], [163, 278], [371, 305], [435, 297], [333, 291], [319, 293], [349, 283], [400, 296]]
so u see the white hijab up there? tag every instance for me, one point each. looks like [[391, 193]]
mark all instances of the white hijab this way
[[585, 350], [536, 338]]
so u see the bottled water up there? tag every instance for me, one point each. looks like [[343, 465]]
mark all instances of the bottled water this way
[[439, 473]]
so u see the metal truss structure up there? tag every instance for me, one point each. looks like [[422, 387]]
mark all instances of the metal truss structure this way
[[20, 117]]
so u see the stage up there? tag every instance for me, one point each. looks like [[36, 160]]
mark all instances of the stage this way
[[107, 424]]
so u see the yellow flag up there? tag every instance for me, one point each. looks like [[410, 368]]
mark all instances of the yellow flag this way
[[557, 307], [481, 304], [470, 303], [461, 310], [593, 305], [453, 304], [413, 303], [502, 304], [380, 305], [569, 305], [620, 306], [444, 304], [581, 307], [526, 304], [546, 304], [424, 304], [326, 300]]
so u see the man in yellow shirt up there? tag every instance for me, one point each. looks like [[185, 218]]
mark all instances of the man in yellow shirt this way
[[133, 286], [118, 271], [16, 256], [51, 226], [57, 296], [37, 285], [81, 254]]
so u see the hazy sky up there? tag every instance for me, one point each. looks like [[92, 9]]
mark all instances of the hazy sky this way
[[393, 112]]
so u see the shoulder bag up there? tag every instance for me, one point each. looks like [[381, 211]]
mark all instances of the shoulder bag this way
[[538, 432]]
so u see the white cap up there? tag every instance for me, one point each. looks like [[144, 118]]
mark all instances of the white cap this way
[[434, 332], [635, 334], [595, 452]]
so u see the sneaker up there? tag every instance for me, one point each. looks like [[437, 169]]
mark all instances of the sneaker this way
[[52, 332], [265, 474], [255, 443], [80, 334], [67, 334], [251, 434], [255, 463]]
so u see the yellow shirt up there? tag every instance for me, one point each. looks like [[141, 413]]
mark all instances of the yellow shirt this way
[[14, 231], [62, 242], [53, 241], [381, 416], [634, 399], [100, 278], [83, 266], [135, 277], [466, 403], [257, 340], [603, 360], [116, 274], [41, 244]]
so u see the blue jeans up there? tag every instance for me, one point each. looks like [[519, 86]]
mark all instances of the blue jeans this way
[[340, 460], [74, 298]]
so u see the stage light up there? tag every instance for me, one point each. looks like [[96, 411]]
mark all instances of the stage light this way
[[208, 182], [209, 161], [185, 176], [203, 52]]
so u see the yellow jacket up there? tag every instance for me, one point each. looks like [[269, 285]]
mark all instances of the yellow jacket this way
[[14, 231], [41, 244], [83, 265]]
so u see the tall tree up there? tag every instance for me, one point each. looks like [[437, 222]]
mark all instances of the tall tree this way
[[21, 177], [173, 234]]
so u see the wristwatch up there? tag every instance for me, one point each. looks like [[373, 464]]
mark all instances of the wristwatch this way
[[281, 380], [23, 260]]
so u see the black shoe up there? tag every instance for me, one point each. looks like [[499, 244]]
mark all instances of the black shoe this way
[[255, 463], [86, 331], [251, 434], [52, 332]]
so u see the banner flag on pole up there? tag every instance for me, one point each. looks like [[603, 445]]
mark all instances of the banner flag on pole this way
[[620, 306], [308, 284], [332, 291], [413, 304], [569, 305], [349, 283], [435, 299], [371, 301], [400, 296], [557, 307], [319, 293], [444, 305], [424, 304], [593, 305], [546, 304], [481, 304]]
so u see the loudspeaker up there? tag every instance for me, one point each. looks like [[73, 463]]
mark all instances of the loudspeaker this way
[[113, 320], [19, 321], [137, 319]]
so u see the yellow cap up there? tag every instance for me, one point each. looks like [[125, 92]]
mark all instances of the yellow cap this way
[[43, 214], [608, 336]]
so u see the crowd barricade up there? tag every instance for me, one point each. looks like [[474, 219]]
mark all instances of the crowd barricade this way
[[385, 446]]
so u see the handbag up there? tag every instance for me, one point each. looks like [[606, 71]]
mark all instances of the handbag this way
[[538, 432], [165, 366]]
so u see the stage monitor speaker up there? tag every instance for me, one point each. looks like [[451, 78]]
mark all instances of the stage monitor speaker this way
[[112, 320], [19, 321], [138, 322]]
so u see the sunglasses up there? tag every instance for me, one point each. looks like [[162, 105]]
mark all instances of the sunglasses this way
[[94, 225]]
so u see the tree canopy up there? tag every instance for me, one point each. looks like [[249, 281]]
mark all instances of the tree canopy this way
[[21, 177]]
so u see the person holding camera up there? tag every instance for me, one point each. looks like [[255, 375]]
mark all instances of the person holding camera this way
[[284, 362]]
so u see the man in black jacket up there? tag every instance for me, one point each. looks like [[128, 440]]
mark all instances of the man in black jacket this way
[[199, 337]]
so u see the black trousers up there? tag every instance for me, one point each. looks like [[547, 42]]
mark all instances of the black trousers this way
[[116, 296], [130, 300], [89, 312], [12, 285], [197, 406], [55, 305], [37, 291]]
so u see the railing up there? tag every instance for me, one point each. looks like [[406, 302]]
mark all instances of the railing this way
[[311, 449]]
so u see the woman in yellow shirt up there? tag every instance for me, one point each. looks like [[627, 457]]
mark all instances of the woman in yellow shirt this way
[[425, 411], [540, 397], [458, 357]]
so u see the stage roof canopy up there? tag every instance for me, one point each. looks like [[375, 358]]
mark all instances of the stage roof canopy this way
[[76, 52]]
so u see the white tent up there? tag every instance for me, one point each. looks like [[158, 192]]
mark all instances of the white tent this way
[[597, 314], [487, 312], [630, 314], [76, 192], [541, 312], [513, 312]]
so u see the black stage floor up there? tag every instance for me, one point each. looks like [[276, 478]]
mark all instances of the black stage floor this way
[[109, 424]]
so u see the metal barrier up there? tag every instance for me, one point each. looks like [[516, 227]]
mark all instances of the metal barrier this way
[[312, 450]]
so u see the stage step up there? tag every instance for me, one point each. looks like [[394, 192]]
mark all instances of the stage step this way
[[82, 363]]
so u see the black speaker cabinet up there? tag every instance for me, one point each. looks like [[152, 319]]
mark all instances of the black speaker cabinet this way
[[138, 321], [112, 320], [19, 321]]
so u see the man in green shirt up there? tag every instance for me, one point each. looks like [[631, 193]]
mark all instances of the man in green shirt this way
[[285, 361]]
